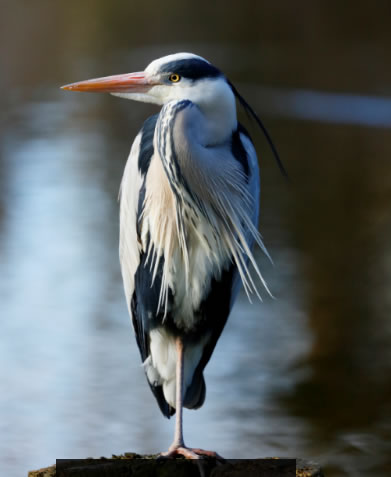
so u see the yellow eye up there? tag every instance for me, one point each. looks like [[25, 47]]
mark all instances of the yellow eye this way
[[174, 78]]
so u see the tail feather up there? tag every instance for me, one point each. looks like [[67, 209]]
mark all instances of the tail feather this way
[[194, 397], [165, 408]]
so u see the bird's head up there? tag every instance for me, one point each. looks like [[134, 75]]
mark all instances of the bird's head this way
[[173, 77], [181, 76]]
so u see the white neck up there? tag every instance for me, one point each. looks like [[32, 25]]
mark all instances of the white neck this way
[[208, 123], [197, 192], [219, 115]]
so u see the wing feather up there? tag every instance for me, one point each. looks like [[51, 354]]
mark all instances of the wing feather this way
[[130, 192], [129, 247], [135, 273], [223, 292], [244, 152]]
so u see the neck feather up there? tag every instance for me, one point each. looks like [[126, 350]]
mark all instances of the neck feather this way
[[205, 189]]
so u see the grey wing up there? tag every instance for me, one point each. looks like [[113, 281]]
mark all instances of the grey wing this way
[[223, 291], [243, 150], [254, 183], [129, 246], [132, 255], [131, 198]]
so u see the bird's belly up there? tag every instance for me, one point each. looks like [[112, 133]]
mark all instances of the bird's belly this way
[[190, 250], [191, 276]]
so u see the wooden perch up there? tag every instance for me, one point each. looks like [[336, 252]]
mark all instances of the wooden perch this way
[[136, 465]]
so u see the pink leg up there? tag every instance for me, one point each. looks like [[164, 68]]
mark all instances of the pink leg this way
[[178, 446]]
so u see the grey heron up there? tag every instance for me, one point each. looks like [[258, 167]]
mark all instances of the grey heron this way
[[189, 206]]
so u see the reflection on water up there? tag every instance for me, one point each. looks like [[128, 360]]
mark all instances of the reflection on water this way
[[304, 375], [321, 106]]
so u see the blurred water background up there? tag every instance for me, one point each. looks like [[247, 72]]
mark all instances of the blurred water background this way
[[306, 374]]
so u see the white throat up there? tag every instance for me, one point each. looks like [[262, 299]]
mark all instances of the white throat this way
[[216, 102]]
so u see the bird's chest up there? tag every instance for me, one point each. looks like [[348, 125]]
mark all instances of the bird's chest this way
[[184, 249], [193, 269], [184, 255]]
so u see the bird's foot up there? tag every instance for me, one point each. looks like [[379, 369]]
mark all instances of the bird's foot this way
[[207, 453], [189, 453]]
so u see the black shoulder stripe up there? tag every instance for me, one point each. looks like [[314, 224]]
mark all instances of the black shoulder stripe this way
[[238, 150], [191, 68], [251, 113], [243, 130], [146, 144], [140, 208]]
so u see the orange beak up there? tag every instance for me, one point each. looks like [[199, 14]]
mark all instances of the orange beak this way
[[131, 82]]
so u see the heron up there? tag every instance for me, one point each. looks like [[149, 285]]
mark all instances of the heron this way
[[189, 208]]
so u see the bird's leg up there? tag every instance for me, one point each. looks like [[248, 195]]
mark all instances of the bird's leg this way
[[178, 446], [178, 437]]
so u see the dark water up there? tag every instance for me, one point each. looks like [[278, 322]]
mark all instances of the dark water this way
[[307, 374]]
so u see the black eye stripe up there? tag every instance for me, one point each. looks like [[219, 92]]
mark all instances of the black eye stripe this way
[[192, 68]]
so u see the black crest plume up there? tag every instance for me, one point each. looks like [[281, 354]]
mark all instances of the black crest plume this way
[[251, 113]]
